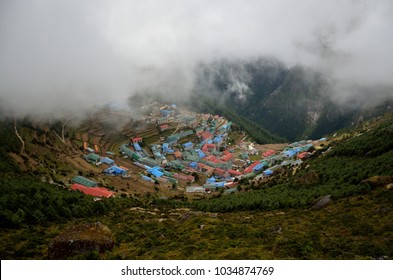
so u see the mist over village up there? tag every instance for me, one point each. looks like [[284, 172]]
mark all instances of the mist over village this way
[[210, 130]]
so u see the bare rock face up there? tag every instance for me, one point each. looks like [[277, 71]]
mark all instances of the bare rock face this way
[[322, 202], [81, 239]]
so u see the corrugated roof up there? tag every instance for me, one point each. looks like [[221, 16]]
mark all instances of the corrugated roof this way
[[107, 160], [249, 168], [84, 181], [97, 192], [156, 173], [234, 172], [115, 170], [92, 157], [227, 157]]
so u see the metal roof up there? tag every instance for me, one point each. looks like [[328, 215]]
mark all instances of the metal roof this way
[[84, 181]]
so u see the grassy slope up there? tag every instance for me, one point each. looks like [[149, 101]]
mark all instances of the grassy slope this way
[[359, 227]]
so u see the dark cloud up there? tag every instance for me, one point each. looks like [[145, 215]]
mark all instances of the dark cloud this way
[[72, 55]]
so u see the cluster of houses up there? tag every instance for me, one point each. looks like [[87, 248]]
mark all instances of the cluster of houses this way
[[90, 187], [112, 169], [210, 154], [198, 144]]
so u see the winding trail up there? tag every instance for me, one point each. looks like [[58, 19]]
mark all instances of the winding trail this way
[[22, 150]]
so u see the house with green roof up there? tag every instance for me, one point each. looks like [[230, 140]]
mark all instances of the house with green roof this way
[[92, 158], [84, 181]]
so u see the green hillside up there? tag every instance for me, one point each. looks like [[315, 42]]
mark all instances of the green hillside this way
[[255, 131], [290, 102]]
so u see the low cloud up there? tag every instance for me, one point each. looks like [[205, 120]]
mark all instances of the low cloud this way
[[70, 56]]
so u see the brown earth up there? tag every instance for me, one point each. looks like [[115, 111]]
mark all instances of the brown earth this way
[[266, 147], [81, 239], [31, 164], [378, 181], [85, 137], [96, 140], [81, 163], [20, 161]]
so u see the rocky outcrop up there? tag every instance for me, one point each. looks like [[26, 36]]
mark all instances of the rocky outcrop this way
[[81, 239], [322, 202], [378, 181]]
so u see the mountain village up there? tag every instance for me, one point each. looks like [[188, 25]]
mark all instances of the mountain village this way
[[190, 154]]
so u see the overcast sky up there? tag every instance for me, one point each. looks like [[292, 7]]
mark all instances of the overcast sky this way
[[58, 55]]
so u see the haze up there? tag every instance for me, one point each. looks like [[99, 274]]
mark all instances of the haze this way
[[62, 57]]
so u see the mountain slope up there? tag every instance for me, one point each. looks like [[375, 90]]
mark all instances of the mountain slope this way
[[293, 103], [255, 131]]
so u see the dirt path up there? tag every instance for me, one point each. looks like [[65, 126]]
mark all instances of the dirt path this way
[[22, 149]]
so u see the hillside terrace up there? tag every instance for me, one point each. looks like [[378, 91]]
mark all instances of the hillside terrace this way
[[211, 159], [205, 151]]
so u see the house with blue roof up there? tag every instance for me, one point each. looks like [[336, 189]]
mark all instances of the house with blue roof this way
[[200, 153], [259, 167], [107, 160], [193, 164], [115, 170], [156, 171], [137, 147], [165, 113], [211, 180], [187, 146], [218, 140]]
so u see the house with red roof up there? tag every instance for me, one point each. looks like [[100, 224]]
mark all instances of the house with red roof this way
[[96, 192], [205, 168], [302, 155], [164, 127], [219, 172], [211, 158], [136, 140], [227, 157], [234, 172], [249, 168], [206, 135], [188, 178], [178, 155], [268, 153], [208, 147]]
